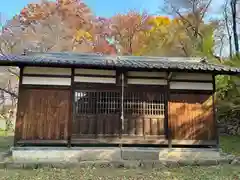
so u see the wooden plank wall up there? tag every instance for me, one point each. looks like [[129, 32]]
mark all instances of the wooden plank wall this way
[[191, 117], [43, 114]]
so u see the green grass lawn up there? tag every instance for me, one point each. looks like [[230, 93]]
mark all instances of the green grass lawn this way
[[6, 141], [184, 173], [227, 172], [230, 144]]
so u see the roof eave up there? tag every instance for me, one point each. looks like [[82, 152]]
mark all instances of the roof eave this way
[[69, 65]]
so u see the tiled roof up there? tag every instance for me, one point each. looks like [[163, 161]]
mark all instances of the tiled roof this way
[[128, 62]]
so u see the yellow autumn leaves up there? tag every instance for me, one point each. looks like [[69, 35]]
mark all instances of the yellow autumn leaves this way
[[81, 35], [159, 21], [159, 35], [156, 23], [156, 35]]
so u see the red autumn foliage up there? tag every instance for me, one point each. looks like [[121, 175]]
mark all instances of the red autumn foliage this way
[[125, 28], [76, 15], [102, 46]]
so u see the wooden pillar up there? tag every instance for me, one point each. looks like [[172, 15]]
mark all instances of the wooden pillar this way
[[166, 112], [18, 104], [71, 108], [214, 110], [121, 81]]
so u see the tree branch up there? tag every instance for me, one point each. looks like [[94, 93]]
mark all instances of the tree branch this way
[[14, 73], [206, 8], [9, 92]]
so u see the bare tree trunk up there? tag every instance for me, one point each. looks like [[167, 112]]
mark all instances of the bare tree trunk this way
[[234, 25], [230, 46], [221, 46], [2, 96], [228, 29]]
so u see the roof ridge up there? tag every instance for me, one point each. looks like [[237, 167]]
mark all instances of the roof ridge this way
[[155, 58], [118, 57]]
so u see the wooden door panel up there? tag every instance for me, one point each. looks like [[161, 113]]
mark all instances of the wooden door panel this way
[[44, 114]]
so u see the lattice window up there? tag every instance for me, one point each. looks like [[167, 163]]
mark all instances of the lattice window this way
[[109, 102], [144, 103], [97, 102]]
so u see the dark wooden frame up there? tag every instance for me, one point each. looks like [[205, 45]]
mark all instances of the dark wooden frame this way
[[28, 86], [42, 142], [186, 91]]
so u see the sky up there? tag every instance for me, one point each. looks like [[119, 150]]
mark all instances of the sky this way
[[106, 8]]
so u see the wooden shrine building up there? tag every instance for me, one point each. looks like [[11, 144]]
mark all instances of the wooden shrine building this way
[[81, 99]]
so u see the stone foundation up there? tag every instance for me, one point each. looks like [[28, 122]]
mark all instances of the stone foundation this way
[[77, 154], [38, 157], [57, 154]]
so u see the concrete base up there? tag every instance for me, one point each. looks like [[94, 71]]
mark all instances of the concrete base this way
[[80, 154]]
